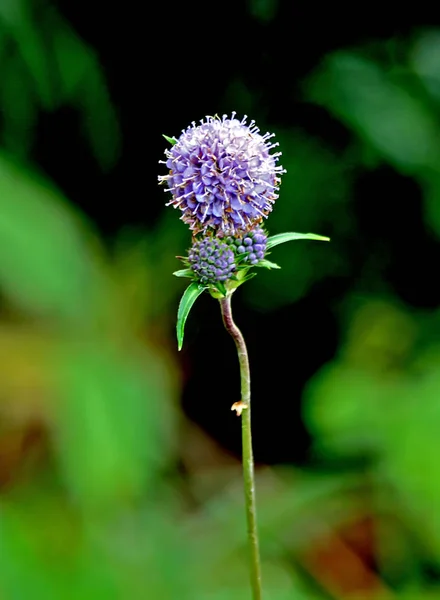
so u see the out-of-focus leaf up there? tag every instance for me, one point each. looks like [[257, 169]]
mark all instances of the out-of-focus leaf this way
[[425, 59], [82, 84], [32, 49], [113, 422], [83, 81], [382, 113], [54, 66], [159, 553], [411, 447], [49, 555], [133, 281], [18, 104], [23, 573], [73, 59], [190, 295], [47, 265], [99, 119], [342, 407]]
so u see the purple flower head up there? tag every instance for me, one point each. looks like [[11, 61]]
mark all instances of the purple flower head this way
[[222, 175], [212, 260]]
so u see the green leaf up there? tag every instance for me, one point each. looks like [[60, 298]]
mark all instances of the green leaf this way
[[110, 402], [267, 264], [23, 570], [41, 239], [19, 108], [221, 288], [184, 273], [81, 83], [280, 238], [190, 295], [31, 46], [245, 278], [383, 111], [171, 140]]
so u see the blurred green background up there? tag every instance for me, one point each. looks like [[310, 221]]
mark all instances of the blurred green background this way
[[119, 457]]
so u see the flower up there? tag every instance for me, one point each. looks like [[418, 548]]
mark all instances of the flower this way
[[219, 260], [251, 245], [212, 260], [222, 175]]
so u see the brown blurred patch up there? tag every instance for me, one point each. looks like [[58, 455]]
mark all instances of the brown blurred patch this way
[[24, 401], [343, 562]]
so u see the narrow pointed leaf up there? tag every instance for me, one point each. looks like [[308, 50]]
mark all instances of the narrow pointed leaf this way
[[280, 238], [171, 140], [267, 264], [190, 295], [248, 277], [184, 273], [221, 288]]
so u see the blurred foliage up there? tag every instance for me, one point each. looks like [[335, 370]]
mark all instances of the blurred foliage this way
[[94, 500], [46, 66], [263, 10]]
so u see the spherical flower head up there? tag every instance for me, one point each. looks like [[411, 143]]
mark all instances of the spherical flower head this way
[[251, 246], [222, 175], [212, 260]]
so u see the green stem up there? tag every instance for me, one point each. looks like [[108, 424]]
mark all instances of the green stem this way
[[248, 458]]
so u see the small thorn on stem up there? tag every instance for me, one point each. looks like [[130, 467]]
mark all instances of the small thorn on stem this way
[[239, 407]]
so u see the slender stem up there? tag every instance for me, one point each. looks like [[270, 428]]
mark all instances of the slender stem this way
[[248, 458]]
